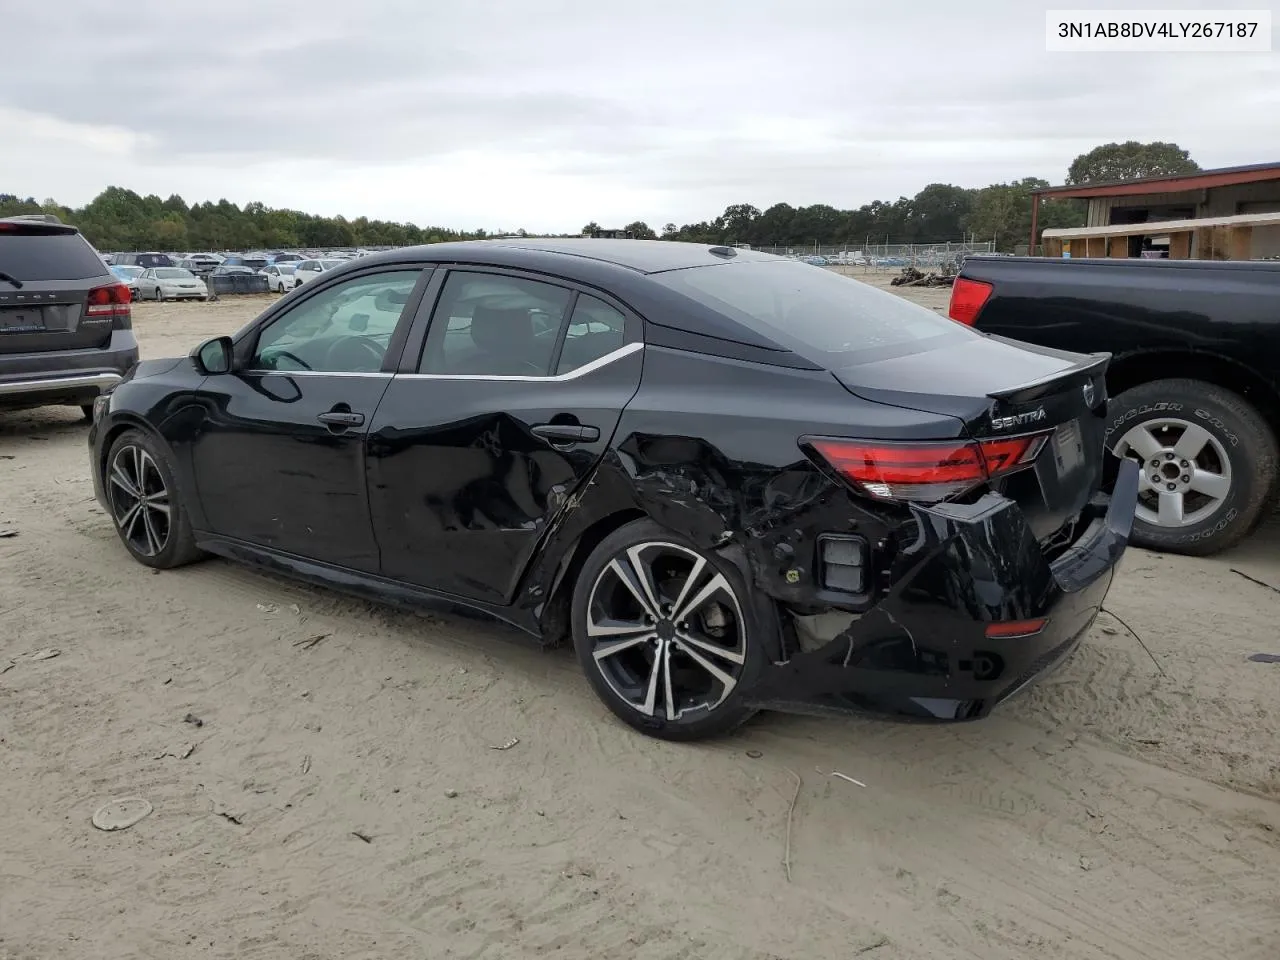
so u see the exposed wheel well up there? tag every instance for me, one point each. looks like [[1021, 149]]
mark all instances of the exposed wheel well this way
[[555, 618], [1134, 370]]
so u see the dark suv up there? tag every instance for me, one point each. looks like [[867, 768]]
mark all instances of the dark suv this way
[[66, 331], [147, 260]]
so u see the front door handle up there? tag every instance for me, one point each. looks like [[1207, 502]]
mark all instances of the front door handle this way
[[567, 432], [341, 418]]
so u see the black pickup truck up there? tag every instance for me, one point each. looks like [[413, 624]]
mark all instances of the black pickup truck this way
[[1194, 379]]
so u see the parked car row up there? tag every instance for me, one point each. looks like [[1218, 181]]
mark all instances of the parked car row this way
[[202, 263], [282, 269]]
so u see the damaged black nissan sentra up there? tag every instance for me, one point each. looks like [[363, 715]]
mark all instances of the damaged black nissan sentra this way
[[734, 480]]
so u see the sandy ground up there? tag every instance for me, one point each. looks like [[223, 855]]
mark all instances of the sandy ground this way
[[1128, 807]]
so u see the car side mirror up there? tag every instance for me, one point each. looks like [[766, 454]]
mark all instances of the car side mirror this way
[[214, 356]]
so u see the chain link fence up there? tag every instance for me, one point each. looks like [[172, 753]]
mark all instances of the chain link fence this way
[[888, 256]]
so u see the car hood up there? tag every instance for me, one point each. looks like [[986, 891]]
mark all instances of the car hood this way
[[152, 368]]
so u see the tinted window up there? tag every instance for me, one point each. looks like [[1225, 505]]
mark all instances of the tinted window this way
[[595, 329], [817, 313], [344, 329], [154, 260], [491, 325], [63, 256]]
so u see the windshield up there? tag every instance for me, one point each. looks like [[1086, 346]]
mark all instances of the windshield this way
[[817, 313], [127, 272], [330, 264], [174, 273]]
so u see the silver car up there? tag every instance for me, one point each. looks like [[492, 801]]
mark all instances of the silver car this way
[[310, 269], [171, 283]]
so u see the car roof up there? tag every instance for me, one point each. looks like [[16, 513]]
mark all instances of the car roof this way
[[641, 256], [622, 268]]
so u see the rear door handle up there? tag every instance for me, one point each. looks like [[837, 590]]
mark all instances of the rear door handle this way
[[339, 418], [567, 432]]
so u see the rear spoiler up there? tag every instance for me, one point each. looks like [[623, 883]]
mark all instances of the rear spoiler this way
[[35, 225], [1094, 365]]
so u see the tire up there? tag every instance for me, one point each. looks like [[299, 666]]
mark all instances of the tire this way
[[133, 452], [159, 295], [1224, 488], [704, 706]]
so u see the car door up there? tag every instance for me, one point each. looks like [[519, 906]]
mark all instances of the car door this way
[[505, 401], [146, 287], [279, 459]]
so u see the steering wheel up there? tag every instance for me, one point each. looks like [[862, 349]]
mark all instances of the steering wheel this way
[[294, 357], [370, 347]]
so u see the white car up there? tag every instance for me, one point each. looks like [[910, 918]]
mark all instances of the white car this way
[[310, 269], [280, 277], [170, 283]]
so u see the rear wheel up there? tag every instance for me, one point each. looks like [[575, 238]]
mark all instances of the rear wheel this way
[[1208, 464], [665, 634], [145, 506]]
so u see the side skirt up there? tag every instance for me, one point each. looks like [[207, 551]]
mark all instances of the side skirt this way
[[359, 584]]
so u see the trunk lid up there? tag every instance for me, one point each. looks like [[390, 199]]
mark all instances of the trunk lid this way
[[999, 388]]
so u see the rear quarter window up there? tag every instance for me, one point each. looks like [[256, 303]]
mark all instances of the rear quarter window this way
[[64, 256], [814, 312]]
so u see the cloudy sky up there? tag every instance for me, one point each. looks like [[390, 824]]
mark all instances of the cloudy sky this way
[[545, 114]]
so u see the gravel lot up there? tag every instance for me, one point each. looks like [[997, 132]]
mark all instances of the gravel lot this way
[[342, 800]]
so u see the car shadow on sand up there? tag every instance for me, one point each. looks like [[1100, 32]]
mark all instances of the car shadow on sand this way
[[42, 423]]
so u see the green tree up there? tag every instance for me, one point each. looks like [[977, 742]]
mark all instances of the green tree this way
[[1002, 212], [1130, 161], [640, 231]]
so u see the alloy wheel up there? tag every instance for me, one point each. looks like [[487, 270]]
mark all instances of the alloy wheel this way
[[1186, 473], [139, 500], [666, 631]]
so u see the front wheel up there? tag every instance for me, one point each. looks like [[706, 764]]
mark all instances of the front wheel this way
[[1208, 462], [665, 633], [145, 506], [159, 295]]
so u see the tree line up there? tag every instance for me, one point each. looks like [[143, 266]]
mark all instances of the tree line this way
[[120, 219]]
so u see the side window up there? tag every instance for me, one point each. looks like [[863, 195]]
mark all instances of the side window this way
[[492, 325], [595, 329], [344, 329]]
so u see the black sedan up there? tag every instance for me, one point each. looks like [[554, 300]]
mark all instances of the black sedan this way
[[734, 481]]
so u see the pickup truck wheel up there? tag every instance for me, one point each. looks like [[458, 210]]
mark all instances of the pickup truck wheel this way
[[1208, 464]]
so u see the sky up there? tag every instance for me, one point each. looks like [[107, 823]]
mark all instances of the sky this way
[[547, 114]]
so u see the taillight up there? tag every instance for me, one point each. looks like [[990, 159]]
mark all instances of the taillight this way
[[968, 297], [1012, 629], [926, 472], [111, 300]]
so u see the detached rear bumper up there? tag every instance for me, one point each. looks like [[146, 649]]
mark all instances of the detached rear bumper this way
[[931, 648]]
